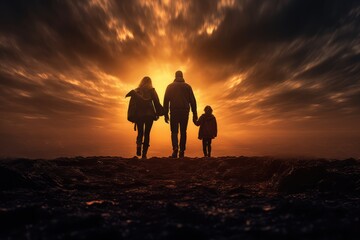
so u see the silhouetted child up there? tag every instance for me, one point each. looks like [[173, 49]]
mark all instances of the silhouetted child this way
[[207, 130]]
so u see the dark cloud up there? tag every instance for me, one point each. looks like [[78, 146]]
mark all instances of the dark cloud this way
[[312, 44], [276, 39], [265, 24], [64, 33], [53, 101]]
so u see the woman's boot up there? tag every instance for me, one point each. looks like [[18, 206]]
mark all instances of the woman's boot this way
[[138, 149], [145, 149]]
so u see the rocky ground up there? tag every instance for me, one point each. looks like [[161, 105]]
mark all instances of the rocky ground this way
[[162, 198]]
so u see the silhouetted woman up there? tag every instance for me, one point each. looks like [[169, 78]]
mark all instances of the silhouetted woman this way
[[148, 109]]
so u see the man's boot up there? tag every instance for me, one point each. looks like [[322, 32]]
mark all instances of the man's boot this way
[[181, 154], [145, 149], [174, 153], [138, 149], [205, 153]]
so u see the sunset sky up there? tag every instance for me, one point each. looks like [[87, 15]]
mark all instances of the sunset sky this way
[[282, 76]]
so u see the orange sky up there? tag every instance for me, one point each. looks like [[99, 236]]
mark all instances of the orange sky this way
[[282, 78]]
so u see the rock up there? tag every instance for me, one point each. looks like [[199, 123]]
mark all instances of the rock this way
[[301, 179], [11, 179]]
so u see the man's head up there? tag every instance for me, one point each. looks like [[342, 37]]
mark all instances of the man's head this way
[[179, 74], [179, 77]]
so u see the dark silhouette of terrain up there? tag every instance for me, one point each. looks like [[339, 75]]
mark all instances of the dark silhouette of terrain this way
[[164, 198]]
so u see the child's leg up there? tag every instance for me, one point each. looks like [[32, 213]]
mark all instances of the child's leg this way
[[204, 147], [209, 147]]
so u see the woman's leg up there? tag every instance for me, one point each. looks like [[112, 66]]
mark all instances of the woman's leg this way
[[148, 125], [139, 138], [204, 147]]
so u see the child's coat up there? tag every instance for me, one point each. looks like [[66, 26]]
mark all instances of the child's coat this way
[[208, 126]]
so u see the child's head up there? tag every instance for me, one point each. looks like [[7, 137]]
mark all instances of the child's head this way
[[208, 110]]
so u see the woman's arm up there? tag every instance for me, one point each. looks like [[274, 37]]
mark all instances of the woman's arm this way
[[159, 109], [130, 94], [155, 97], [136, 95]]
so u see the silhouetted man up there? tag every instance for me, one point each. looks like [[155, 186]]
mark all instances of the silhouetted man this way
[[180, 96]]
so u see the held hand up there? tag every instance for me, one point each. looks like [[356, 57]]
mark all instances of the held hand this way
[[166, 118], [195, 118]]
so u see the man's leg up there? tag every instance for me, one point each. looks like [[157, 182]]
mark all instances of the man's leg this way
[[183, 126], [174, 126]]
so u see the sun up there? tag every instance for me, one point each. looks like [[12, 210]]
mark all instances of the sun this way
[[162, 75]]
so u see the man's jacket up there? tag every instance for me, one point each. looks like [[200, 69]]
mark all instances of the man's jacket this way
[[179, 95]]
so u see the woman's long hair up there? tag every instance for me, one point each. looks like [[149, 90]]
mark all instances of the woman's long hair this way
[[146, 83]]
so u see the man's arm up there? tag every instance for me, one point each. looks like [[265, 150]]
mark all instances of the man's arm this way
[[215, 127], [193, 104], [166, 105]]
